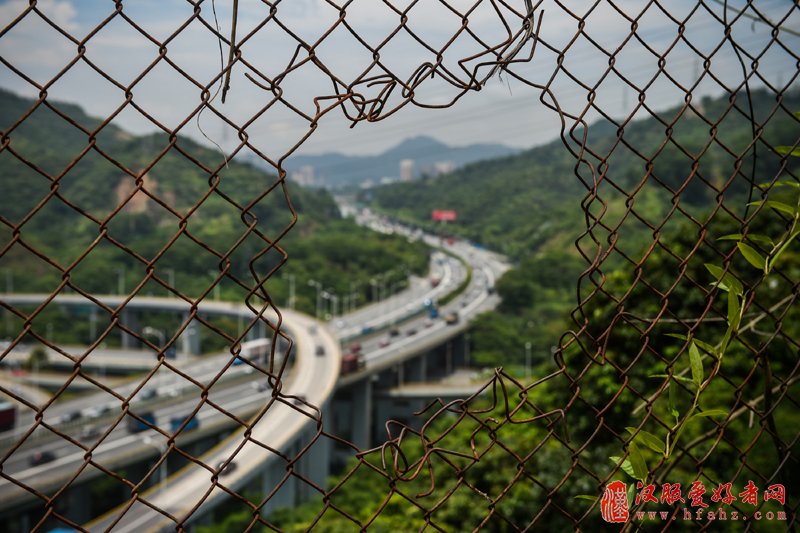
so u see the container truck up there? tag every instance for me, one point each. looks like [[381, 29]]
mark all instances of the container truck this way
[[351, 362], [177, 421], [137, 426], [8, 415]]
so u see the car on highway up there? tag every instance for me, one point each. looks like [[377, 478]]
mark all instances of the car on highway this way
[[300, 399], [146, 394], [261, 386], [451, 318], [383, 343], [88, 433], [320, 351], [412, 331], [72, 416], [41, 457], [96, 411], [225, 470], [394, 332]]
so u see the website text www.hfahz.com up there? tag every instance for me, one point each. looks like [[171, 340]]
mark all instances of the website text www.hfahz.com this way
[[615, 504]]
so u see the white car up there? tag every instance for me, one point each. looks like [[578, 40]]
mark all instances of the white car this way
[[97, 411]]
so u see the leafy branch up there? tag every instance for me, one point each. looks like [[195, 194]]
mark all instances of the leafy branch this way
[[738, 297]]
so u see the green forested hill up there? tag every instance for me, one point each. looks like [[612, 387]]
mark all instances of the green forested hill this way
[[528, 206], [553, 439], [530, 202], [60, 193]]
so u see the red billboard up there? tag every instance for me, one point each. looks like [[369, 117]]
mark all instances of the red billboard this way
[[445, 215]]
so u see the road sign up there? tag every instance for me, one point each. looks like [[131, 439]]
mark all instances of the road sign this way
[[445, 215]]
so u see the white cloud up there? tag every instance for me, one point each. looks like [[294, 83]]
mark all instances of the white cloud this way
[[60, 12], [499, 112]]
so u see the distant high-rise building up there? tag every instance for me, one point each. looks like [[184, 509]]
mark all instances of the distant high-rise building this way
[[406, 169], [304, 176], [443, 167]]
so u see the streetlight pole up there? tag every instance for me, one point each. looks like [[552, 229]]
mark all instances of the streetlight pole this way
[[162, 340], [92, 324], [527, 360], [353, 296], [334, 302], [374, 284], [326, 297], [291, 301], [216, 285], [466, 350], [121, 281], [170, 280], [318, 286], [333, 298], [162, 469]]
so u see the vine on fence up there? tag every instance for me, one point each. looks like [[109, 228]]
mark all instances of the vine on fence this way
[[739, 297]]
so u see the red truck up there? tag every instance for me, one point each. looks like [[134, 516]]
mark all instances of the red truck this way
[[351, 362], [8, 415]]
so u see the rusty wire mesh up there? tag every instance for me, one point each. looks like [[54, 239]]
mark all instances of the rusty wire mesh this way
[[600, 366]]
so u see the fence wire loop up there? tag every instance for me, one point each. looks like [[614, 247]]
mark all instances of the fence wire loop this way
[[611, 373]]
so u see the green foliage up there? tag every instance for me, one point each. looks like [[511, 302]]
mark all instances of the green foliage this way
[[646, 402], [37, 359], [527, 203], [526, 206], [536, 297], [740, 290], [195, 216]]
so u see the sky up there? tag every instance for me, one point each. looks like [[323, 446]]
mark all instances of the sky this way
[[503, 111]]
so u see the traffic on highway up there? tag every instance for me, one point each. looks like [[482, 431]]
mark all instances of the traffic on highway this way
[[137, 419]]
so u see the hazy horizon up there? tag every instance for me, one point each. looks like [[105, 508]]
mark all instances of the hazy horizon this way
[[504, 111]]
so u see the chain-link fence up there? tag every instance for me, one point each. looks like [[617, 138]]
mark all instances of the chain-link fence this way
[[680, 367]]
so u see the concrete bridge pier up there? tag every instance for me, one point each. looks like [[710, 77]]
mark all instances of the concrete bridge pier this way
[[260, 330], [460, 352], [190, 338], [74, 503], [129, 319], [313, 465], [272, 475], [416, 369], [362, 414]]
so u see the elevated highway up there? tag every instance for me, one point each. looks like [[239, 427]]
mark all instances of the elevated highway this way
[[400, 331]]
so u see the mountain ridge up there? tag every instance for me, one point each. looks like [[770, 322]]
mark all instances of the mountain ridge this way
[[336, 170], [530, 201]]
